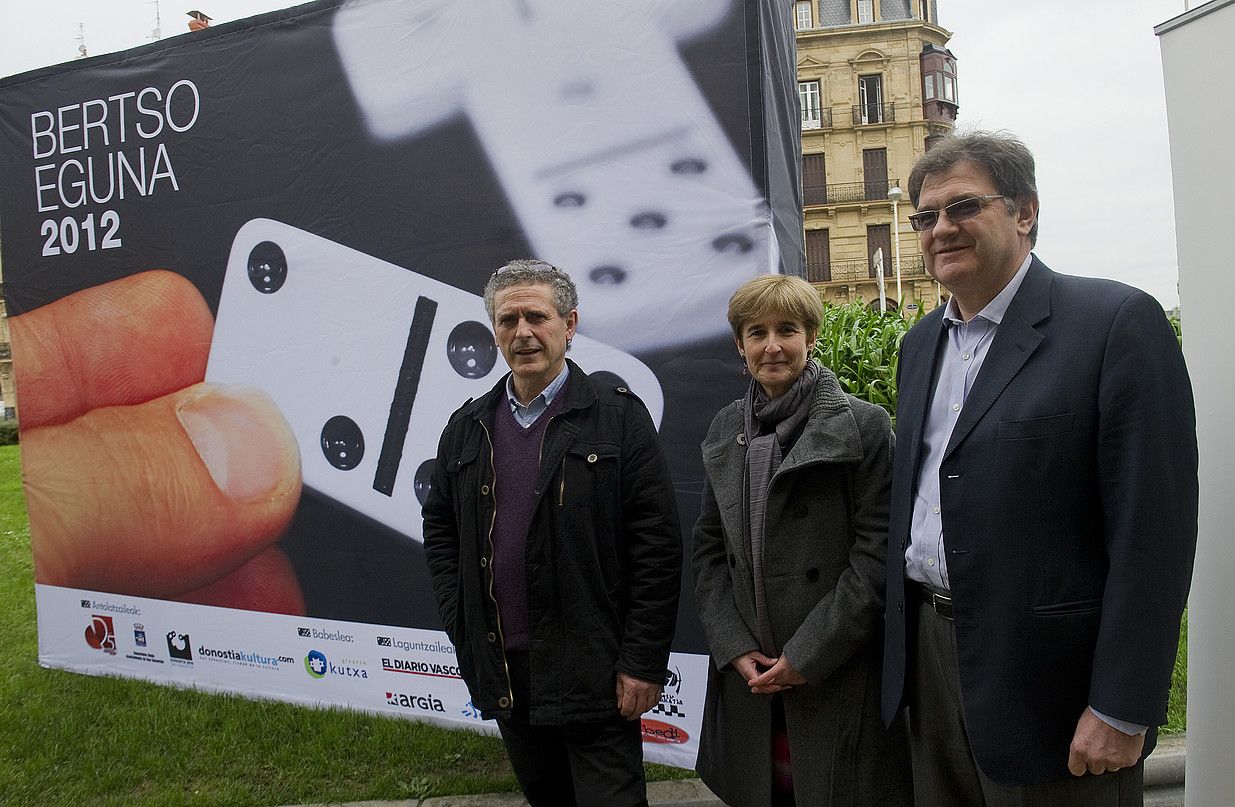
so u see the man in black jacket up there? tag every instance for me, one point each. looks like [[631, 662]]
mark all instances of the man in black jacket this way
[[553, 541]]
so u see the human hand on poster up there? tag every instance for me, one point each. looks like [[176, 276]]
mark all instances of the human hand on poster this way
[[139, 478]]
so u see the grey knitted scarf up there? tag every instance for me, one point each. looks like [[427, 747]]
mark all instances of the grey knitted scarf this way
[[770, 422]]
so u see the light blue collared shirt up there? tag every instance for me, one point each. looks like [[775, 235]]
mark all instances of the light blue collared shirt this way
[[959, 361], [527, 415]]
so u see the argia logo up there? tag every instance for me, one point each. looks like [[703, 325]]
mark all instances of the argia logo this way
[[470, 711], [315, 663], [654, 731], [139, 635], [101, 635], [422, 703], [178, 646]]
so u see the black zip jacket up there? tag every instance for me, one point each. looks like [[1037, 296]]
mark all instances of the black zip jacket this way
[[604, 553]]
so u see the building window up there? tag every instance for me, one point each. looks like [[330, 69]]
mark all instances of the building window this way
[[870, 99], [818, 260], [809, 104], [939, 81], [875, 173], [924, 7], [866, 11], [814, 180], [803, 16]]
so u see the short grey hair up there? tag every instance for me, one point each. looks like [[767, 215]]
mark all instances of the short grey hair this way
[[529, 272], [1001, 154]]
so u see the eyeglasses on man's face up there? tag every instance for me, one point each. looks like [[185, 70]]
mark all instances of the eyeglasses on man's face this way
[[956, 212]]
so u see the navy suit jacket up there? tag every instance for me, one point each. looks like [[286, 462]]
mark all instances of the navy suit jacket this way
[[1069, 506]]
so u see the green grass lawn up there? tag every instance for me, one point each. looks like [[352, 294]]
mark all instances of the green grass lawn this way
[[68, 739], [77, 740]]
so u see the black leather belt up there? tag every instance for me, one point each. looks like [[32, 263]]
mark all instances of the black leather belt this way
[[939, 600]]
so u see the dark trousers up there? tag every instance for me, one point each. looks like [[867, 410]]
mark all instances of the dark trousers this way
[[576, 764], [944, 770]]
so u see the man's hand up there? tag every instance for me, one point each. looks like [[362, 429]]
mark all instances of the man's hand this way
[[751, 665], [139, 478], [780, 677], [635, 696], [1098, 747]]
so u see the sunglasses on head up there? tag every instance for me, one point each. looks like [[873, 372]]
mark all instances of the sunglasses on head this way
[[956, 212]]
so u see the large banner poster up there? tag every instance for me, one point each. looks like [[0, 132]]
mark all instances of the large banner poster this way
[[244, 268]]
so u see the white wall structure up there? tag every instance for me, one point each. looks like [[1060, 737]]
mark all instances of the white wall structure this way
[[1197, 60]]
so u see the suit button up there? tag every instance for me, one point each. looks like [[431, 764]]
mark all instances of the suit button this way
[[484, 562], [904, 544], [812, 575], [503, 702], [900, 606], [592, 458], [484, 490], [491, 636]]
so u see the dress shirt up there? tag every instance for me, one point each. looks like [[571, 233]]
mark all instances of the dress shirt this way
[[527, 415], [960, 358]]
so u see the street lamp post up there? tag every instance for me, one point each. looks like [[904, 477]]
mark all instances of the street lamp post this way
[[895, 194]]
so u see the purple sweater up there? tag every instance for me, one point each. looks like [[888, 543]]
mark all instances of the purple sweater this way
[[516, 453]]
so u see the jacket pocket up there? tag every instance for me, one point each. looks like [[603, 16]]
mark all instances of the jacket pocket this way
[[466, 457], [1034, 428], [589, 471], [1070, 608]]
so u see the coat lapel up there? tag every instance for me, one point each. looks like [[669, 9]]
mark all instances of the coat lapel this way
[[915, 388], [1015, 341]]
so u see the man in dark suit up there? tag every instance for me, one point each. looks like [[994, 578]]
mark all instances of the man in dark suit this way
[[1044, 500]]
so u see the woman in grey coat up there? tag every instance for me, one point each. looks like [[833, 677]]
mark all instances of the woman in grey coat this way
[[789, 574]]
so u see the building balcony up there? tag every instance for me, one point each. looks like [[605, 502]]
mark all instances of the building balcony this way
[[6, 351], [873, 191], [816, 119], [866, 114], [862, 271]]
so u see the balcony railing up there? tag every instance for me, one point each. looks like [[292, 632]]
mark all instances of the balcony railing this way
[[864, 114], [861, 271], [873, 191], [816, 119]]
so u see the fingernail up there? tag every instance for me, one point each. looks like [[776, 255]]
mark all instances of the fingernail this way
[[241, 438]]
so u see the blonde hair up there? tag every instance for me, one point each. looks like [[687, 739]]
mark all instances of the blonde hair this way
[[791, 296]]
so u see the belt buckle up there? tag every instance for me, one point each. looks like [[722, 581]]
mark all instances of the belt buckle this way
[[941, 604]]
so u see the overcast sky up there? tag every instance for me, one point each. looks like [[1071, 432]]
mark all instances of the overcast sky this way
[[1079, 80]]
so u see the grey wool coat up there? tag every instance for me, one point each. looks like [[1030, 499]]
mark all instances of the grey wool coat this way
[[824, 550]]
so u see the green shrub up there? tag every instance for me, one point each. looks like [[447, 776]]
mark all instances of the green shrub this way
[[8, 432], [861, 346]]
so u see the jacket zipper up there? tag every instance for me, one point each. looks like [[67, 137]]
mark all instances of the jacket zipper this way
[[510, 692]]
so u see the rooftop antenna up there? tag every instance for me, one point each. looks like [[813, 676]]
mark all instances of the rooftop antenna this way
[[157, 33], [81, 41]]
